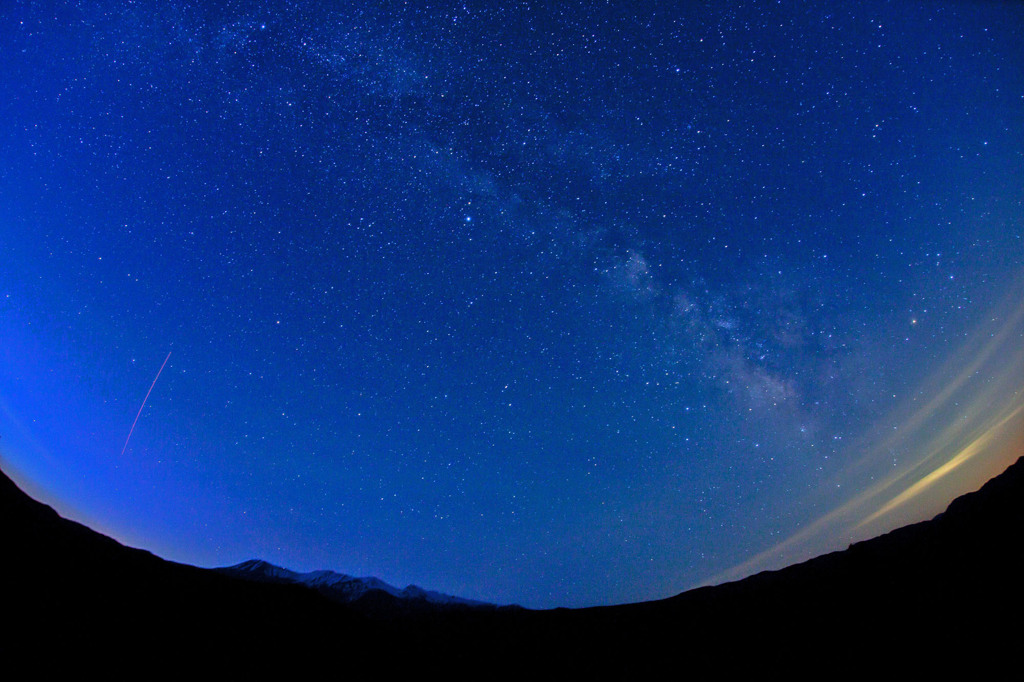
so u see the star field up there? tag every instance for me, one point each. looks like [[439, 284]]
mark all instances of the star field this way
[[556, 306]]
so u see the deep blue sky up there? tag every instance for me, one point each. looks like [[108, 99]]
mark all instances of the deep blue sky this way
[[550, 306]]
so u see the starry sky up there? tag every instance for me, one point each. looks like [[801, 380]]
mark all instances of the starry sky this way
[[559, 304]]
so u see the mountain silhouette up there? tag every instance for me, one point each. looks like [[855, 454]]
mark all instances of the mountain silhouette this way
[[938, 596], [368, 595]]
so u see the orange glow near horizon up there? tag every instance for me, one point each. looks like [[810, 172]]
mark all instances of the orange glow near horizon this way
[[971, 430]]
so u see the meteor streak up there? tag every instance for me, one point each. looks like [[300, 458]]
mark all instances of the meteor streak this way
[[141, 407]]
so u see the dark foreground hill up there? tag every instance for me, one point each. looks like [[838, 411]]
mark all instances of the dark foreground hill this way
[[938, 596]]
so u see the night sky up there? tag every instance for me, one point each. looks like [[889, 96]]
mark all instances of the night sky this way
[[556, 306]]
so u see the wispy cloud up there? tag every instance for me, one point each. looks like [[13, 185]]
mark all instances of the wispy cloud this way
[[970, 430]]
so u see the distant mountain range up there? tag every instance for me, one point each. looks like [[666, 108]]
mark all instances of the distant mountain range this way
[[343, 588], [933, 598]]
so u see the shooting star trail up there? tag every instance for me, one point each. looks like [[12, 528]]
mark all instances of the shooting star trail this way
[[141, 407]]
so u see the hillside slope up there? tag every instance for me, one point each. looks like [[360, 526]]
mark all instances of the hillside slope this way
[[937, 595]]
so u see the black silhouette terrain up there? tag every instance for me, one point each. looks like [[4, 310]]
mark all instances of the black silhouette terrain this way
[[939, 596]]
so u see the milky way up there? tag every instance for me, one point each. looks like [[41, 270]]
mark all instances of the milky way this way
[[558, 306]]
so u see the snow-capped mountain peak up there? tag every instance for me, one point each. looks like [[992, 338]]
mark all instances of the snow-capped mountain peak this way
[[342, 587]]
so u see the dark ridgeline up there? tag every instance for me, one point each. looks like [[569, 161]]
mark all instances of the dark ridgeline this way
[[936, 596]]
